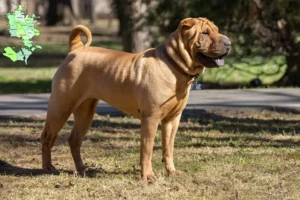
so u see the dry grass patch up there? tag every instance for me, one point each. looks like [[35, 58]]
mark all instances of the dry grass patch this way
[[223, 154]]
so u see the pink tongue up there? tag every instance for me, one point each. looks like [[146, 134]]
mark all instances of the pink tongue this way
[[219, 61]]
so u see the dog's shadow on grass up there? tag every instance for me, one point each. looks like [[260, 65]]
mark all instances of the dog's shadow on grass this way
[[8, 169]]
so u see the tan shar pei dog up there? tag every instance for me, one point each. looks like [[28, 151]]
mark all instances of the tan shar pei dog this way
[[152, 86]]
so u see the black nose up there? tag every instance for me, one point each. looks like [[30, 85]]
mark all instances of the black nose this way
[[227, 43]]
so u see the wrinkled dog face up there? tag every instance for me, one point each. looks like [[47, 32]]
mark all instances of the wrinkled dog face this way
[[206, 45]]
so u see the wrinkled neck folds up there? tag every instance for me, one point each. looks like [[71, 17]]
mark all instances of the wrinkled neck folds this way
[[176, 49]]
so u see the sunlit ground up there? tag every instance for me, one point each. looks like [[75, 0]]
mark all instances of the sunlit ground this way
[[223, 154]]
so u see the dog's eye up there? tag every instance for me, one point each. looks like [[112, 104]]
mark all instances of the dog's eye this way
[[205, 32]]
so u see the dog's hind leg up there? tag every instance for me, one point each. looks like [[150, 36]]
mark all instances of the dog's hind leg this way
[[57, 114], [83, 117]]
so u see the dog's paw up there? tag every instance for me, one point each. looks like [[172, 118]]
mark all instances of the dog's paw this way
[[149, 178], [88, 172], [78, 173], [175, 172], [50, 169]]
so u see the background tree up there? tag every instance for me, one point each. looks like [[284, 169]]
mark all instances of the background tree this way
[[134, 31], [258, 27], [270, 27], [59, 11]]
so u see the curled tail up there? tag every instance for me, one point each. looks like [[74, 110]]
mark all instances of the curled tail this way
[[74, 39]]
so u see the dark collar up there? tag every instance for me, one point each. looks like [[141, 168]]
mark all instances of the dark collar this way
[[176, 66]]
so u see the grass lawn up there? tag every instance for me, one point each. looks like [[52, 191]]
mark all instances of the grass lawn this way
[[26, 80], [223, 154]]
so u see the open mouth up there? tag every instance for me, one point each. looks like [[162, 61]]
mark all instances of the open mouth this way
[[209, 62]]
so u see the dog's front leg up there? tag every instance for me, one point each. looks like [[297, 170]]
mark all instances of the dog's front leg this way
[[148, 131], [169, 130]]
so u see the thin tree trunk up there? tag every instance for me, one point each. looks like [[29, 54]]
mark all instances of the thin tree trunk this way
[[123, 11], [31, 7], [52, 16], [292, 49], [59, 10], [292, 74], [76, 9], [8, 5]]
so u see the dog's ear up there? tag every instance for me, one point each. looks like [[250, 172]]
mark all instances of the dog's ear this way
[[187, 23], [187, 28]]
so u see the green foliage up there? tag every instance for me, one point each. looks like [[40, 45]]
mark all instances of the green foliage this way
[[264, 28], [246, 70]]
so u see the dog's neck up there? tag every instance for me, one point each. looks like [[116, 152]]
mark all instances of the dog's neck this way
[[189, 77], [177, 51]]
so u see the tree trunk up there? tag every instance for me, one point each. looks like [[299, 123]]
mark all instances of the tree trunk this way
[[141, 38], [59, 10], [31, 7], [76, 8], [52, 14], [292, 49], [292, 74], [8, 5], [135, 34]]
